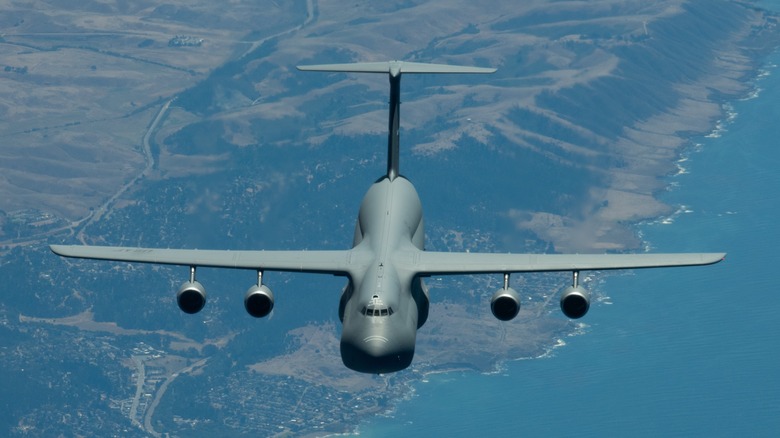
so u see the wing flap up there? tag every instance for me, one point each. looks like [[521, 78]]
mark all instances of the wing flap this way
[[333, 262], [443, 263]]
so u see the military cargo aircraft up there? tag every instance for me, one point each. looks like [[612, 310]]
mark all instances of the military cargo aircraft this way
[[385, 300]]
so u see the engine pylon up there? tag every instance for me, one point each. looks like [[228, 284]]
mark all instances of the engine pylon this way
[[192, 295], [259, 300], [575, 300], [505, 303]]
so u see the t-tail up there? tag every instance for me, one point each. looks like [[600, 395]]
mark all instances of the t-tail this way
[[394, 69]]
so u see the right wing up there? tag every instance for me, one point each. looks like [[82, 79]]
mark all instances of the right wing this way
[[451, 263], [329, 262]]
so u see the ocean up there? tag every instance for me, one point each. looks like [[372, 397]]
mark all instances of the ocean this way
[[668, 352]]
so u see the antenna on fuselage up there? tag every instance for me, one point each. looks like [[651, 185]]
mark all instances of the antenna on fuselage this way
[[394, 69]]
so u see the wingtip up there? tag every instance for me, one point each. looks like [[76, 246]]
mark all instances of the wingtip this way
[[58, 250], [62, 250], [718, 257]]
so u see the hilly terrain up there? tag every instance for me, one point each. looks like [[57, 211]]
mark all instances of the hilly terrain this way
[[186, 124]]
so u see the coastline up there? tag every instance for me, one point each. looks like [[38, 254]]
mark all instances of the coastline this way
[[629, 196], [649, 149], [590, 377], [659, 145]]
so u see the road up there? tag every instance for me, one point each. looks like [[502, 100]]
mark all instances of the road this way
[[105, 209], [139, 387], [160, 392]]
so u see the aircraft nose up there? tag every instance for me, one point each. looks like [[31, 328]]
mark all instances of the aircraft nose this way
[[376, 354]]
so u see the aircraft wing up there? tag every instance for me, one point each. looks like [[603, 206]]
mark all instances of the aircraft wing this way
[[448, 263], [329, 262]]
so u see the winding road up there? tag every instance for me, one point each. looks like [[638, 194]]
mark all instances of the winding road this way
[[105, 209]]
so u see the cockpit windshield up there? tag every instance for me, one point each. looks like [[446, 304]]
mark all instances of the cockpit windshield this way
[[376, 308]]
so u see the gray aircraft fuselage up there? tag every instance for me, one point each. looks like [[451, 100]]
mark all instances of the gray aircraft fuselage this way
[[382, 307]]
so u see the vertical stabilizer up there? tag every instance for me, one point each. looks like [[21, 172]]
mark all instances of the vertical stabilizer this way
[[395, 69]]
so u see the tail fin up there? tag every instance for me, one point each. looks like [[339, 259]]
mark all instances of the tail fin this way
[[394, 69]]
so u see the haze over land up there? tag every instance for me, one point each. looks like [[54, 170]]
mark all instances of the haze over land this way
[[605, 89], [186, 124]]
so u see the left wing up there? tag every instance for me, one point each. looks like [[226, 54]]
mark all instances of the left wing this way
[[447, 263], [329, 262]]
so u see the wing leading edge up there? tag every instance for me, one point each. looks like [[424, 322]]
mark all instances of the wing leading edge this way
[[419, 262], [327, 262], [449, 263]]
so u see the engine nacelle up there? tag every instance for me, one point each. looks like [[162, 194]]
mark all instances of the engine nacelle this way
[[505, 304], [575, 302], [191, 297], [259, 301]]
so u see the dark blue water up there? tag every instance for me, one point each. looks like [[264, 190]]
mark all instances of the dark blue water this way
[[678, 352]]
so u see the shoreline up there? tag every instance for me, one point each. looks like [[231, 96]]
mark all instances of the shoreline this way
[[650, 149], [656, 146], [622, 220], [687, 146]]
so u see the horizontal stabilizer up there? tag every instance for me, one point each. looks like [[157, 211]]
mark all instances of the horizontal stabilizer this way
[[394, 68]]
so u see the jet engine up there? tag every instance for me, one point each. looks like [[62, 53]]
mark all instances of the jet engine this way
[[505, 304], [575, 302], [259, 301], [191, 297]]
